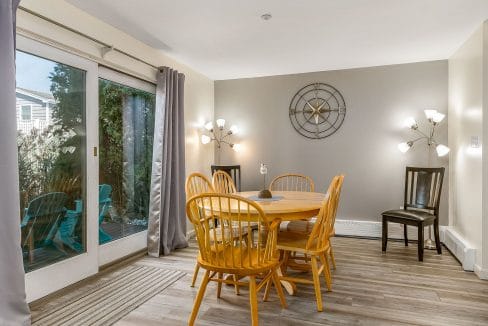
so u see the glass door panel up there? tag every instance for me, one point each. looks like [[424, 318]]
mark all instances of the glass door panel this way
[[51, 142], [56, 112], [126, 122]]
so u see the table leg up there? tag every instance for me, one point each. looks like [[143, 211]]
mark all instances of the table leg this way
[[290, 287]]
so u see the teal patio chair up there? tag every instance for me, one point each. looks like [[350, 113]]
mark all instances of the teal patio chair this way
[[67, 228], [41, 221], [66, 231]]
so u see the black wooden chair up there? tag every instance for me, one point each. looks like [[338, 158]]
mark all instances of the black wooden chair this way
[[421, 206], [233, 170]]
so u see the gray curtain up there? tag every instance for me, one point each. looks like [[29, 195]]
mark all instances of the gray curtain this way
[[13, 306], [167, 217]]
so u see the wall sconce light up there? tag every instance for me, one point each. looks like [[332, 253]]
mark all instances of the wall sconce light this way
[[434, 119]]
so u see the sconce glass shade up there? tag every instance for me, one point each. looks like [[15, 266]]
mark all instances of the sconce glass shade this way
[[233, 129], [209, 126], [205, 139], [442, 150], [220, 123], [429, 114], [404, 147], [410, 123], [438, 117], [237, 147]]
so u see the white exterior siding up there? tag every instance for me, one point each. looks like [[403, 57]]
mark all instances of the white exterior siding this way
[[41, 112]]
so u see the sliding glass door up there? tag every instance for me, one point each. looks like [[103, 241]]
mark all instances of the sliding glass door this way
[[126, 128], [84, 136], [56, 105]]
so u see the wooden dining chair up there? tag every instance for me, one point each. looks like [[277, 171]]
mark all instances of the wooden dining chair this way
[[315, 246], [305, 227], [222, 183], [233, 170], [241, 257], [422, 195], [197, 183], [292, 182]]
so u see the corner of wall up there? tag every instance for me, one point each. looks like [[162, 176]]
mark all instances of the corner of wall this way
[[484, 263]]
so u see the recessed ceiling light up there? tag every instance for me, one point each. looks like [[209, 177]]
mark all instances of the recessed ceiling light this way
[[266, 17]]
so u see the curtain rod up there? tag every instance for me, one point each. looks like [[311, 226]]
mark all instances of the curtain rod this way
[[106, 47]]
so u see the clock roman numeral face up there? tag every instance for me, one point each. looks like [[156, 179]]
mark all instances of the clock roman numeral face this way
[[317, 110]]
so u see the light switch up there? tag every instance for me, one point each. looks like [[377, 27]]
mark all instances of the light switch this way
[[475, 142]]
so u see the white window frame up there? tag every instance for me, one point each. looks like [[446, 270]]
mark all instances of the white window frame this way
[[22, 112], [123, 247], [51, 278]]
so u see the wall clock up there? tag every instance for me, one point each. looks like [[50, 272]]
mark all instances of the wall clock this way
[[317, 110]]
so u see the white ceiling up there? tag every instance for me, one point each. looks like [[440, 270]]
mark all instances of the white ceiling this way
[[226, 39]]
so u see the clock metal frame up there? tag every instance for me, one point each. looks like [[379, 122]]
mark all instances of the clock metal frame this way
[[317, 110]]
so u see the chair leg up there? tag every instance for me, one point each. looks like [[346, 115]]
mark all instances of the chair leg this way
[[332, 258], [31, 246], [437, 238], [284, 265], [219, 284], [327, 276], [253, 300], [279, 289], [384, 237], [195, 275], [198, 299], [421, 241], [405, 234], [236, 286], [266, 291], [316, 283]]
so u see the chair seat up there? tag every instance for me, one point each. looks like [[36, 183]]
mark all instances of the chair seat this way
[[239, 261], [301, 226], [412, 215], [297, 242], [227, 232]]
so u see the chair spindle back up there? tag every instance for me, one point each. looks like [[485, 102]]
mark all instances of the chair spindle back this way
[[292, 182], [324, 224], [234, 248], [197, 183], [222, 183], [423, 188]]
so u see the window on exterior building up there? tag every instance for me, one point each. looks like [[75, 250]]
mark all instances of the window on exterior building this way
[[26, 112]]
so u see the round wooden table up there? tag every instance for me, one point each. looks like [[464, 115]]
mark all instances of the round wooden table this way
[[291, 205]]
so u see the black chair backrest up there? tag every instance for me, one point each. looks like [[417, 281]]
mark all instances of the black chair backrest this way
[[44, 214], [423, 188], [233, 170]]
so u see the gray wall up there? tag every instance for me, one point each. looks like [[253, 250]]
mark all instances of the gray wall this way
[[378, 100]]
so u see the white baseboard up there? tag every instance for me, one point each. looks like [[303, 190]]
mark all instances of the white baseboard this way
[[480, 272], [460, 248], [373, 229]]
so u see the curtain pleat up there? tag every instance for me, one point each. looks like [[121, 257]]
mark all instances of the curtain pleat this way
[[13, 306], [167, 217]]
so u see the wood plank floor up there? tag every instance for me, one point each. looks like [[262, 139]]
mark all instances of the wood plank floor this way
[[368, 289]]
